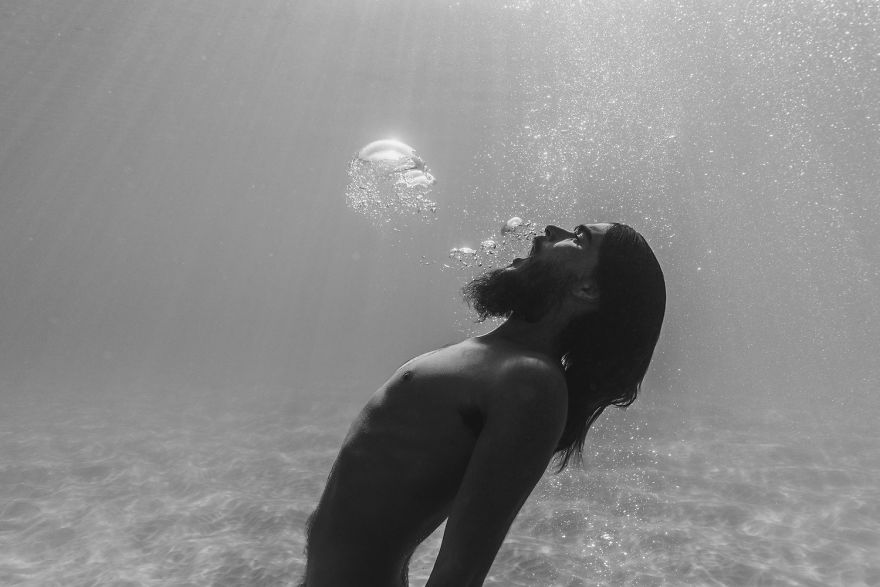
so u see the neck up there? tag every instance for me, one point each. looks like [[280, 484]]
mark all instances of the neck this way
[[542, 336]]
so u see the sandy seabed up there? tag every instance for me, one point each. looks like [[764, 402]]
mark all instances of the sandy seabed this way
[[178, 488]]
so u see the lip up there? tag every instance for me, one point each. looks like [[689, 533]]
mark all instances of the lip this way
[[536, 244]]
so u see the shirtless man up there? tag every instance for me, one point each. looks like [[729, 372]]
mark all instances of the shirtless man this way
[[463, 433]]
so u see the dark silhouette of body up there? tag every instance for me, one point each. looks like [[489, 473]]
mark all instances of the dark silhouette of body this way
[[462, 433]]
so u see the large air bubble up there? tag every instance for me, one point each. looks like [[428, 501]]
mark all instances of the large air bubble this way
[[387, 179]]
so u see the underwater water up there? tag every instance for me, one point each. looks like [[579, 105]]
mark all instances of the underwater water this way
[[205, 272]]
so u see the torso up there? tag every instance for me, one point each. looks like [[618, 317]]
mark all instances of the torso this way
[[401, 464]]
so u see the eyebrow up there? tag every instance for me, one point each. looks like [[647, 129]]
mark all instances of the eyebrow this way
[[582, 229]]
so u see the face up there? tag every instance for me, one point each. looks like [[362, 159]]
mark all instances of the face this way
[[560, 262], [575, 252]]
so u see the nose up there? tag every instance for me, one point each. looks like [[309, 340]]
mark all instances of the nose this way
[[554, 233]]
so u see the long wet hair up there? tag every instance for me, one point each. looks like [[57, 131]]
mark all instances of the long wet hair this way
[[609, 350]]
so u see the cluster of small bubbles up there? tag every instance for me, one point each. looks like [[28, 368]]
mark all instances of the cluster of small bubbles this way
[[495, 250], [465, 256], [388, 180], [516, 233]]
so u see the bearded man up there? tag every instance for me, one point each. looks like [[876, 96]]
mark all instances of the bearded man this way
[[463, 433]]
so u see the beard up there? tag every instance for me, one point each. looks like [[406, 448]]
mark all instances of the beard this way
[[527, 291]]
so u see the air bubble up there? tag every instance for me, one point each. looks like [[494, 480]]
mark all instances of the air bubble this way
[[497, 251], [387, 179], [465, 256], [512, 224]]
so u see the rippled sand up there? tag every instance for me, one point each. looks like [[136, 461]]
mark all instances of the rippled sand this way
[[164, 490]]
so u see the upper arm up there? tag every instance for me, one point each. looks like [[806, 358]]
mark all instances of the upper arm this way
[[522, 428]]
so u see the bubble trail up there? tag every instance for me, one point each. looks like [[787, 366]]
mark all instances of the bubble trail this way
[[496, 251]]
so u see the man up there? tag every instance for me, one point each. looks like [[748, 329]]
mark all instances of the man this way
[[463, 433]]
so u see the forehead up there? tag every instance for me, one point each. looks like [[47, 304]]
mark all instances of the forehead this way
[[599, 227]]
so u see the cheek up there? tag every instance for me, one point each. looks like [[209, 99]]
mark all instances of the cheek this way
[[574, 258]]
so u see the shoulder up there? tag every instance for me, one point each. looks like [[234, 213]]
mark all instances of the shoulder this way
[[531, 371], [531, 384]]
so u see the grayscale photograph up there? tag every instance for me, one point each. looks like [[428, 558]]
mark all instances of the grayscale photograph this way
[[439, 293]]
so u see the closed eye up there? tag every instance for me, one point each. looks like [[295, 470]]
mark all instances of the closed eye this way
[[584, 233]]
